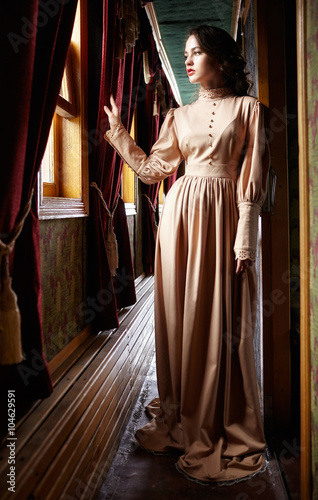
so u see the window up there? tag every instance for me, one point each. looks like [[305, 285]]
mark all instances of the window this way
[[161, 196], [63, 178], [128, 186]]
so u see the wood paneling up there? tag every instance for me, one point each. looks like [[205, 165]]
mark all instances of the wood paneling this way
[[65, 444]]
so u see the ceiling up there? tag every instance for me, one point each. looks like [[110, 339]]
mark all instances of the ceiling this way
[[175, 18]]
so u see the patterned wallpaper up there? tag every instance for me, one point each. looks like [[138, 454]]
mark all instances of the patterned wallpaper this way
[[63, 271], [312, 96]]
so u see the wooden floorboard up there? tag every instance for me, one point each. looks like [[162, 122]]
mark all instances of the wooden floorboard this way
[[101, 457], [79, 439], [103, 452]]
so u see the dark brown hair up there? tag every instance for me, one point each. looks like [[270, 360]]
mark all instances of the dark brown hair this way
[[218, 43]]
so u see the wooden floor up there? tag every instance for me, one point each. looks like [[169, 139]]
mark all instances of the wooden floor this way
[[137, 475]]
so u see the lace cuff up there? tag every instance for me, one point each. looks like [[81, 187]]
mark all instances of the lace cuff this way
[[245, 254], [247, 229]]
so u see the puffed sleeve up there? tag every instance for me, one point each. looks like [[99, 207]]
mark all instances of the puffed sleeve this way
[[251, 185], [164, 157]]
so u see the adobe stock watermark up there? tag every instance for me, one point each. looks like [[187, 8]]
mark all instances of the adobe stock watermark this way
[[96, 135], [85, 487], [246, 326], [88, 311], [104, 297], [47, 10]]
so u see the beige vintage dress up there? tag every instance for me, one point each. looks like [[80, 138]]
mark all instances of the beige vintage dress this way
[[204, 313]]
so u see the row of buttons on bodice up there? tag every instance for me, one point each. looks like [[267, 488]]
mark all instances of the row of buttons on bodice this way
[[210, 134]]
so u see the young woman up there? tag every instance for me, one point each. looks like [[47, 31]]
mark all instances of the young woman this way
[[205, 280]]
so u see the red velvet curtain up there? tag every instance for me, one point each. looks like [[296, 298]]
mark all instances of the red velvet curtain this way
[[157, 91], [168, 182], [36, 37], [119, 77], [148, 130]]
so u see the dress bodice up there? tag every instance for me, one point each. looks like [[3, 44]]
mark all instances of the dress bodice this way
[[212, 132]]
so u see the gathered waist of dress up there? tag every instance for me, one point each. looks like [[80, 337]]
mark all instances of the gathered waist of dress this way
[[224, 171]]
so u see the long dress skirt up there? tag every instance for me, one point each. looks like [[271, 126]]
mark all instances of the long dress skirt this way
[[208, 405]]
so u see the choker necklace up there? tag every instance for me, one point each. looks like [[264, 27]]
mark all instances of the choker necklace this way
[[214, 93]]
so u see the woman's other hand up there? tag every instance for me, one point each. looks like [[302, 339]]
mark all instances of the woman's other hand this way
[[113, 113], [241, 265]]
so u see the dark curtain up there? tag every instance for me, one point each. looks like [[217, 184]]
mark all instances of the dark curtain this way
[[151, 113], [170, 99], [148, 129], [122, 78], [119, 77], [35, 41]]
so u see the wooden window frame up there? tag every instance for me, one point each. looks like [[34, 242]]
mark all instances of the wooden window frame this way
[[67, 205], [129, 184]]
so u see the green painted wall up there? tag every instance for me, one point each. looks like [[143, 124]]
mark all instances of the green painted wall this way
[[63, 274]]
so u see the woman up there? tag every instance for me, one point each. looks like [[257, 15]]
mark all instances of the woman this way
[[205, 302]]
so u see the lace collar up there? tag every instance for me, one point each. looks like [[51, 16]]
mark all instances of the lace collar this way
[[214, 93]]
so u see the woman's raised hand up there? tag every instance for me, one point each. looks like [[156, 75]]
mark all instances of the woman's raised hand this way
[[113, 113]]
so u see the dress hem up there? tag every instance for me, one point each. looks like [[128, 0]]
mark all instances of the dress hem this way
[[222, 483]]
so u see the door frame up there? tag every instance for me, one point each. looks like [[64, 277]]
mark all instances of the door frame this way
[[270, 44], [305, 369]]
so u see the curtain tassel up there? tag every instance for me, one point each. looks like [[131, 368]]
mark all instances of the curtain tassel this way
[[110, 240], [153, 218], [112, 247], [155, 105], [10, 319]]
